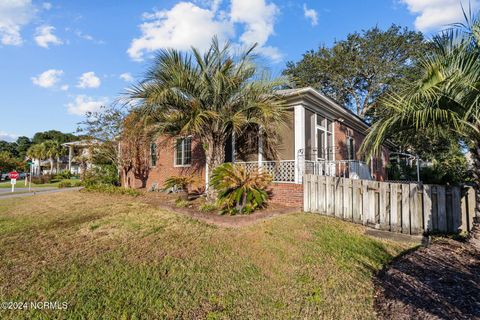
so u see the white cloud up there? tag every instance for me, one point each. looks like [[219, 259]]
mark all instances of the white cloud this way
[[9, 137], [190, 24], [83, 104], [14, 14], [181, 27], [47, 5], [47, 79], [435, 14], [89, 80], [126, 77], [44, 36], [88, 37], [258, 18], [64, 87], [310, 14]]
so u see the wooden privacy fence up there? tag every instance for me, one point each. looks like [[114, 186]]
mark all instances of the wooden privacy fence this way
[[399, 207]]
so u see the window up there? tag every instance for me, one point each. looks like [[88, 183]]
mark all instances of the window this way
[[325, 146], [350, 148], [183, 152], [153, 154]]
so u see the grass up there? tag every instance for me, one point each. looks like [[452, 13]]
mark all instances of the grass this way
[[111, 256], [21, 184]]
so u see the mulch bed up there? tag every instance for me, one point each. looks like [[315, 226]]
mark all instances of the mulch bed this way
[[167, 201], [441, 281]]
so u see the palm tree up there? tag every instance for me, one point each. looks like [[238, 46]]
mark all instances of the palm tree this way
[[210, 96], [53, 151], [37, 151], [445, 99]]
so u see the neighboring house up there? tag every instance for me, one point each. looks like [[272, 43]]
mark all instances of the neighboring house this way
[[78, 158], [76, 161], [321, 137]]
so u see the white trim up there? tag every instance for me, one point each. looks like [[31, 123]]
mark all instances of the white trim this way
[[175, 165], [299, 129]]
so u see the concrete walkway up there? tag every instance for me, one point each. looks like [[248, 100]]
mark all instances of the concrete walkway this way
[[5, 195]]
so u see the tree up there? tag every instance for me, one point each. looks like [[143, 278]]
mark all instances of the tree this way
[[446, 98], [8, 162], [9, 147], [135, 148], [210, 97], [357, 71], [23, 143], [106, 126], [61, 137]]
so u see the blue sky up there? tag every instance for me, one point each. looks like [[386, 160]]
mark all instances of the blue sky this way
[[59, 59]]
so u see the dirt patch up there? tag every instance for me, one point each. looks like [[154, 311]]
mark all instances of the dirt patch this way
[[167, 201], [441, 281]]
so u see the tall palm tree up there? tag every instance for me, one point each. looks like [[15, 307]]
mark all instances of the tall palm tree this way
[[210, 96], [445, 99], [53, 150], [37, 151]]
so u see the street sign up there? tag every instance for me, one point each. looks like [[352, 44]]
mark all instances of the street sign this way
[[13, 175], [13, 181]]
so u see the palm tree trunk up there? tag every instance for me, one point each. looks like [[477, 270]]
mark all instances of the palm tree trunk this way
[[51, 165], [215, 157], [58, 165], [475, 232]]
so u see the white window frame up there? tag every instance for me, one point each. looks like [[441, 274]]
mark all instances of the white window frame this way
[[351, 140], [326, 132], [183, 153], [151, 155]]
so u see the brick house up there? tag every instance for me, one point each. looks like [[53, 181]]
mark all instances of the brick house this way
[[321, 137]]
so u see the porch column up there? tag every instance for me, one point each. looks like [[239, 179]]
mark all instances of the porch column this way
[[70, 153], [299, 134], [260, 148]]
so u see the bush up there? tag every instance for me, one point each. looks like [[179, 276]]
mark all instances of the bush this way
[[46, 178], [178, 183], [64, 175], [65, 184], [111, 189], [101, 174], [240, 191], [69, 184]]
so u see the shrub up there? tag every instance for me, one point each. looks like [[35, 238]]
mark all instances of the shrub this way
[[65, 184], [111, 189], [179, 183], [101, 174], [46, 178], [65, 174], [240, 191]]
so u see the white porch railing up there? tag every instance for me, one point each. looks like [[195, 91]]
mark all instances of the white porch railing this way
[[281, 171], [352, 169], [285, 170]]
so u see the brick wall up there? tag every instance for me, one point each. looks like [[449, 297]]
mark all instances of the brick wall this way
[[165, 167], [341, 133], [288, 194]]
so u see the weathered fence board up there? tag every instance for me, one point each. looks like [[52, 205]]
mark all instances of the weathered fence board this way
[[399, 207]]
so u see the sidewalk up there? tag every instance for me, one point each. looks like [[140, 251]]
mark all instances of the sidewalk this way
[[25, 193]]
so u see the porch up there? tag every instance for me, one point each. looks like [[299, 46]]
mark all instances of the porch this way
[[292, 171]]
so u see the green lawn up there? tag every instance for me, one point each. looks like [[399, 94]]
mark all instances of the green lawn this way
[[114, 257], [21, 184]]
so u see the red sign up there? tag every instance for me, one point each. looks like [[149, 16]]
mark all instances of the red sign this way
[[13, 175]]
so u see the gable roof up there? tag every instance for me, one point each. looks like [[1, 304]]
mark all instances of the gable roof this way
[[308, 93]]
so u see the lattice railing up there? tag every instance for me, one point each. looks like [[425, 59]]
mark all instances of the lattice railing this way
[[281, 171]]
